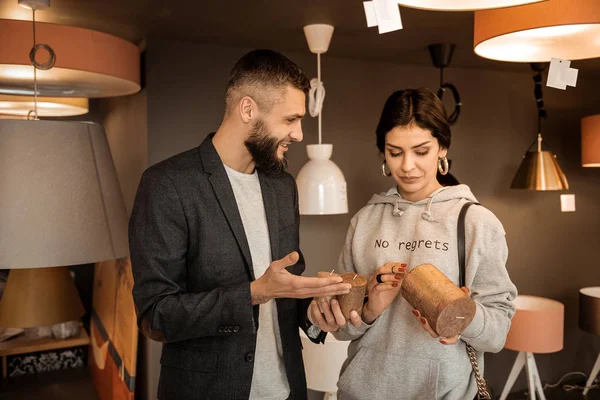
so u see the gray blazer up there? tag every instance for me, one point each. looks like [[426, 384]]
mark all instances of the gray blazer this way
[[192, 270]]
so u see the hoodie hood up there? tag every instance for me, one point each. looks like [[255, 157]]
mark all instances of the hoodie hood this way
[[443, 194]]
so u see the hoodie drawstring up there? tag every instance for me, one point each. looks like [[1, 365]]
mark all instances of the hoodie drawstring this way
[[427, 214], [398, 212]]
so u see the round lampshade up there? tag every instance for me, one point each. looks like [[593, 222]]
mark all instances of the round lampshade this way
[[323, 362], [537, 326], [537, 32], [88, 63], [590, 141], [589, 309], [321, 184], [462, 5], [61, 202], [47, 106]]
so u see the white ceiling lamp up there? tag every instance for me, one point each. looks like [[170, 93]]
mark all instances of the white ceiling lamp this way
[[321, 184], [21, 106], [80, 62], [463, 5], [564, 29]]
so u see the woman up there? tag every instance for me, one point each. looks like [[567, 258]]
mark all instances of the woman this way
[[394, 353]]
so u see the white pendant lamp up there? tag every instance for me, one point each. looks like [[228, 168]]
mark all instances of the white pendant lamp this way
[[321, 184], [463, 5]]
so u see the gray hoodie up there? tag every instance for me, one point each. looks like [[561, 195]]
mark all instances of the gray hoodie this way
[[394, 357]]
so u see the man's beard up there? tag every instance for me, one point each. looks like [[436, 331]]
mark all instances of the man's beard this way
[[263, 148]]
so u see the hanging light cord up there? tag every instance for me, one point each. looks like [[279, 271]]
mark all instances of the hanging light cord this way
[[316, 95], [43, 66], [457, 104], [539, 98]]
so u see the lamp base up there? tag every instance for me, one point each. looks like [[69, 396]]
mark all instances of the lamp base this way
[[593, 376], [525, 359], [39, 297]]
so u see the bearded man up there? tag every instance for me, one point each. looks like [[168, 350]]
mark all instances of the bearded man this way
[[214, 243]]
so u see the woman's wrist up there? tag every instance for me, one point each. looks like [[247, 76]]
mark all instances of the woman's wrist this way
[[367, 315]]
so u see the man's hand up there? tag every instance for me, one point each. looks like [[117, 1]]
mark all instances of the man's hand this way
[[327, 315], [277, 282]]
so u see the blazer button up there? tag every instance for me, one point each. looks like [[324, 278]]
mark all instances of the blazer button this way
[[236, 328], [221, 329], [250, 357], [229, 329]]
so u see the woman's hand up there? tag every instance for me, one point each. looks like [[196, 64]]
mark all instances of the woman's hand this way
[[383, 287], [425, 324]]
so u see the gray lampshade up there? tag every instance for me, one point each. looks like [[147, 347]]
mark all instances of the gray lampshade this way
[[60, 200]]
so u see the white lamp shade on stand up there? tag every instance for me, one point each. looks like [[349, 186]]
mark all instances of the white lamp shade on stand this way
[[61, 205], [321, 184]]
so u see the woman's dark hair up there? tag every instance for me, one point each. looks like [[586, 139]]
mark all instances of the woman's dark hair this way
[[414, 106]]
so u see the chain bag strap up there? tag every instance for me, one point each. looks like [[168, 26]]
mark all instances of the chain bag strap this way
[[482, 387]]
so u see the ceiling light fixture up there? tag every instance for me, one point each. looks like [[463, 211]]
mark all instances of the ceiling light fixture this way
[[321, 184], [89, 64], [537, 32], [462, 5]]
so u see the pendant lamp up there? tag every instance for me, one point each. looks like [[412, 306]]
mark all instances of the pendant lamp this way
[[21, 106], [590, 141], [565, 29], [463, 5], [321, 184], [539, 169], [89, 64]]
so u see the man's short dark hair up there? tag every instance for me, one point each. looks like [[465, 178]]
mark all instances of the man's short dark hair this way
[[263, 75]]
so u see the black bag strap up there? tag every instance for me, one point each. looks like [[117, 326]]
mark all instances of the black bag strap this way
[[460, 227]]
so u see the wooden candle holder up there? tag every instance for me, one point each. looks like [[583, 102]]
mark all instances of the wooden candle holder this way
[[446, 307]]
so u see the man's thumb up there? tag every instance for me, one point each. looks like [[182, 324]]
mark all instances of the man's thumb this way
[[288, 260]]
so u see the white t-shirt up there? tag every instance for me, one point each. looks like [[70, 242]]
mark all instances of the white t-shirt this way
[[269, 381]]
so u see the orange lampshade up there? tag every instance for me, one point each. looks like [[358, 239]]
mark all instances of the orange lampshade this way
[[590, 141], [538, 325], [89, 64], [537, 32]]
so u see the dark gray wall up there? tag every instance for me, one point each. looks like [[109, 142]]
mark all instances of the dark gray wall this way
[[552, 254]]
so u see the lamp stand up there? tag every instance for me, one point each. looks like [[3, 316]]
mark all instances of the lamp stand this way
[[525, 359], [593, 376], [330, 396]]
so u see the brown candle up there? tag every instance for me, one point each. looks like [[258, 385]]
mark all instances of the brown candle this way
[[446, 307], [356, 298]]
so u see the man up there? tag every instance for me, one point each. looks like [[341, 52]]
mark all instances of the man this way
[[214, 246]]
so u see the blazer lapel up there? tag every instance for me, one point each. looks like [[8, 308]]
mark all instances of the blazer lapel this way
[[272, 212], [222, 187]]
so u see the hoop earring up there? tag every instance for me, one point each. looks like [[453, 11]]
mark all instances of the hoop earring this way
[[443, 165], [383, 170]]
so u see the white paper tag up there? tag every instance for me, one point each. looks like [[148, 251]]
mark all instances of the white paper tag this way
[[560, 74], [370, 13], [388, 15]]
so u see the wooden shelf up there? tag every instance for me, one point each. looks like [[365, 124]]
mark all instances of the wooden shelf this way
[[22, 345]]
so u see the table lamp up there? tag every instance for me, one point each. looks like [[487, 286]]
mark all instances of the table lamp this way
[[537, 327], [589, 321], [61, 205]]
